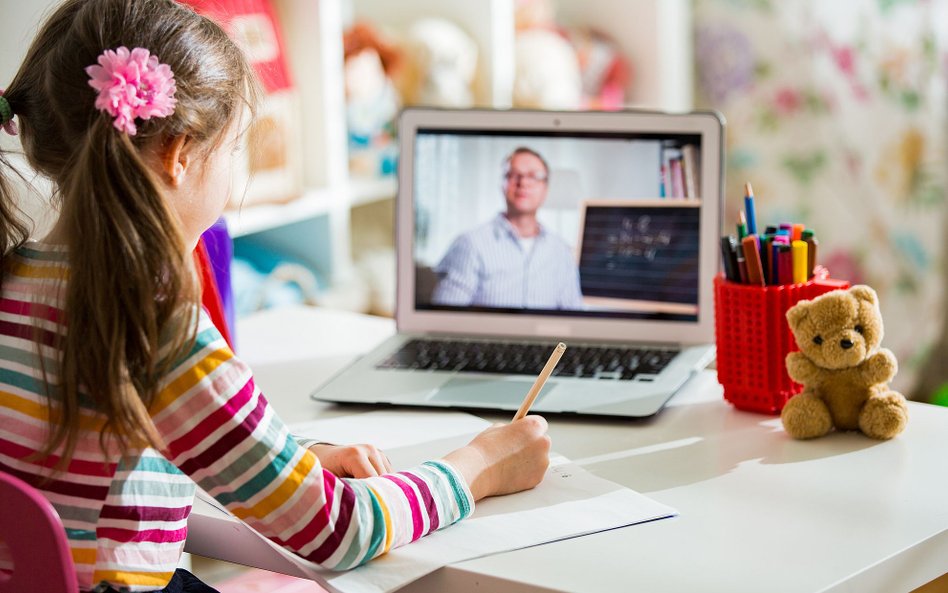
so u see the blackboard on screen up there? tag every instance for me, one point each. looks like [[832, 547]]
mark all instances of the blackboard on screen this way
[[641, 251]]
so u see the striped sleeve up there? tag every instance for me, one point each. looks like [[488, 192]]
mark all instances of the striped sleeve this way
[[219, 429]]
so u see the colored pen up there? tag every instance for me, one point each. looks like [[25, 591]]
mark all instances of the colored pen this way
[[728, 248], [797, 231], [741, 263], [749, 209], [785, 264], [799, 262], [755, 270], [811, 244], [766, 258]]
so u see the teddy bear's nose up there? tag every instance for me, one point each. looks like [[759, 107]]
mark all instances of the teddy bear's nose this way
[[846, 344]]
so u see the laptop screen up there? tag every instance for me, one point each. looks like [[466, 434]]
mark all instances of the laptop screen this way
[[557, 223]]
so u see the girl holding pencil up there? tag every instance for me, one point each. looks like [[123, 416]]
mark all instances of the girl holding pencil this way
[[117, 394]]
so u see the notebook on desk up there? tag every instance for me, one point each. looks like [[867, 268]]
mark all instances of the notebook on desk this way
[[516, 230]]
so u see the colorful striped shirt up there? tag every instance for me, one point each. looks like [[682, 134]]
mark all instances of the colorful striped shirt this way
[[490, 267], [126, 518]]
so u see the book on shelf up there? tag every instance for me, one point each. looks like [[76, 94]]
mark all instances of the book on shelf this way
[[690, 160], [671, 155], [677, 179], [680, 174]]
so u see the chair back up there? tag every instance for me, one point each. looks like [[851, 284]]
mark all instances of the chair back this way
[[33, 533]]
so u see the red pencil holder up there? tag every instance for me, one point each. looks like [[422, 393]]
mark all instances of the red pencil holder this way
[[753, 339]]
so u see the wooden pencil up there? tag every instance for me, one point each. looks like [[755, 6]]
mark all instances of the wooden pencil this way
[[541, 380]]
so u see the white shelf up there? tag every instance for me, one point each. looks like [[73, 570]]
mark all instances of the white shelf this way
[[263, 217], [364, 191]]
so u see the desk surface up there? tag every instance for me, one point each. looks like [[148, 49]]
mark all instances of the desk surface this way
[[758, 511]]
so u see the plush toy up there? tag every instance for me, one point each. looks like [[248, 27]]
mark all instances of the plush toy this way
[[605, 71], [546, 74], [844, 372], [546, 68], [441, 66], [372, 103]]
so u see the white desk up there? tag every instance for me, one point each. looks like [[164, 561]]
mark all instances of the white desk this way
[[759, 511]]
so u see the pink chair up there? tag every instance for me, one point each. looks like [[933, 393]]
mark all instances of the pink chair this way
[[34, 535]]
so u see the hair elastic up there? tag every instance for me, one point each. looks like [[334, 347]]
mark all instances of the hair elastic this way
[[6, 116], [130, 85]]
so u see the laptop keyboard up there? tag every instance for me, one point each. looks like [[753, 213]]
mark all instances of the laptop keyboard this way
[[513, 358]]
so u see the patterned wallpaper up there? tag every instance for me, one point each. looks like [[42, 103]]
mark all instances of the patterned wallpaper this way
[[836, 114]]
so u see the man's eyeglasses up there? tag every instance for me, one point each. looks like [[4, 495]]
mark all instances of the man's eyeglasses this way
[[512, 177]]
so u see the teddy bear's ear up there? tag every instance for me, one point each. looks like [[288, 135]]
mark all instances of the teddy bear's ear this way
[[864, 293], [798, 313]]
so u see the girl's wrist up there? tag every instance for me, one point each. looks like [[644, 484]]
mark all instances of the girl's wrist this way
[[473, 467]]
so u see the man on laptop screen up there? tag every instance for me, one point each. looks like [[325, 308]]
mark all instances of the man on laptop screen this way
[[512, 260]]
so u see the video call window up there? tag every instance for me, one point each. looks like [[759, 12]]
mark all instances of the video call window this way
[[595, 225]]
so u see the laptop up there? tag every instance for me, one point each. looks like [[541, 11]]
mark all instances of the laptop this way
[[517, 230]]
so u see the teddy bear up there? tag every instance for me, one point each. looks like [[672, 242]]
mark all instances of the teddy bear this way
[[844, 372]]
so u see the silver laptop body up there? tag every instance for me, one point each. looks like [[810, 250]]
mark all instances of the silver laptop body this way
[[634, 200]]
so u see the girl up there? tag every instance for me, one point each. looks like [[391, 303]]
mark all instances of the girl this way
[[117, 394]]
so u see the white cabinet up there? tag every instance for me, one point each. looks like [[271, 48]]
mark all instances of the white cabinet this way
[[655, 35]]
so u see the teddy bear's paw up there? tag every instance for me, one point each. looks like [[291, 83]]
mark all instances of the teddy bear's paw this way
[[881, 367], [805, 416], [884, 416]]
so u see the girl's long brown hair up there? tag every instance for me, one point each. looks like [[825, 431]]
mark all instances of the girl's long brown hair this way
[[132, 290]]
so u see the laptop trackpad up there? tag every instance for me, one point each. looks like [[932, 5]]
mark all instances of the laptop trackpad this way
[[487, 392]]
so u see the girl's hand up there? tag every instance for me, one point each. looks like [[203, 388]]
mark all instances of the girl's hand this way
[[352, 461], [505, 458]]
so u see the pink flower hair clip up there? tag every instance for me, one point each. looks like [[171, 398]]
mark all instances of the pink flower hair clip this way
[[132, 84]]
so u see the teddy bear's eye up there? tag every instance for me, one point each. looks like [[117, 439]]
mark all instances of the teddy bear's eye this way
[[858, 329], [818, 340]]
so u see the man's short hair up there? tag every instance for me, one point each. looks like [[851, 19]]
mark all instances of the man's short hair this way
[[525, 150]]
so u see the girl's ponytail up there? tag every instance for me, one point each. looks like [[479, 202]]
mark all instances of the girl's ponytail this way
[[132, 282], [132, 295]]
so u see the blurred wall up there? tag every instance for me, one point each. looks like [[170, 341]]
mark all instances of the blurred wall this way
[[836, 115]]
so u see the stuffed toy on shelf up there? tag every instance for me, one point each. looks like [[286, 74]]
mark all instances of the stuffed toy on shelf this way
[[546, 68], [372, 103], [604, 70], [440, 66], [844, 372]]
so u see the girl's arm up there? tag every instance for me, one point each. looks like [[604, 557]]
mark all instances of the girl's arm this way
[[219, 429]]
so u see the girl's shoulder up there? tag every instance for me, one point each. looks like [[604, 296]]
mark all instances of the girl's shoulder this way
[[41, 251], [42, 247], [36, 261]]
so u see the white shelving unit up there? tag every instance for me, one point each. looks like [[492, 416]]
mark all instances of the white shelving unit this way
[[655, 35]]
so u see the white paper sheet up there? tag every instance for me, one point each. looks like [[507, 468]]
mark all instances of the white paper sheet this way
[[569, 502]]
